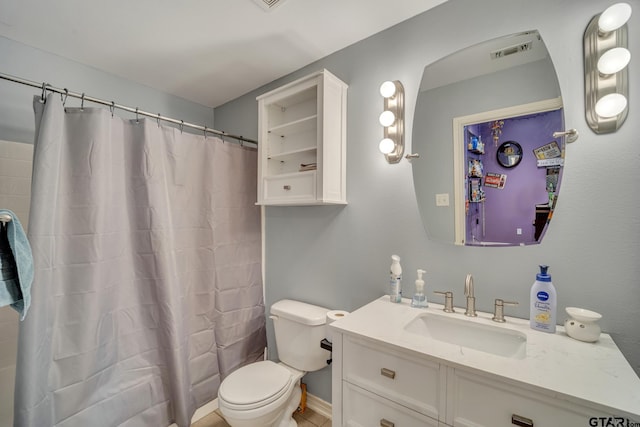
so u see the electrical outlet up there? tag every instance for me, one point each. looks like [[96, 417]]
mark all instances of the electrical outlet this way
[[518, 231], [442, 199]]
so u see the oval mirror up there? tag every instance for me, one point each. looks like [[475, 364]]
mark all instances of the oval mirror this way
[[490, 168]]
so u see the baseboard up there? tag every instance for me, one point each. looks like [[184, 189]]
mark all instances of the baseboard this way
[[202, 411], [205, 410], [318, 405]]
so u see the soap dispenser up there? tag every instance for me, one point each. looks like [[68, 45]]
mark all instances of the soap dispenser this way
[[419, 298]]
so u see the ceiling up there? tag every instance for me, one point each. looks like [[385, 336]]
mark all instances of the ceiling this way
[[206, 51]]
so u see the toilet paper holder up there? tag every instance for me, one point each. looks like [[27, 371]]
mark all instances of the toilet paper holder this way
[[326, 344]]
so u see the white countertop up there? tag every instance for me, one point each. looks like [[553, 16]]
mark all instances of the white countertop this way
[[570, 369]]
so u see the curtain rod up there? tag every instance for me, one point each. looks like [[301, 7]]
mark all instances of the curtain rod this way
[[47, 87]]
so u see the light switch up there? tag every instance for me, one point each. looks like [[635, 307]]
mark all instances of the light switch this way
[[442, 199], [518, 231]]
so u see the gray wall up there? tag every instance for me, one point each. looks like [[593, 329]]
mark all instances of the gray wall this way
[[338, 257], [16, 111]]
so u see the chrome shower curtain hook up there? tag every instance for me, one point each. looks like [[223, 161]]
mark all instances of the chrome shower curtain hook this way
[[43, 97], [66, 95], [137, 118], [82, 102], [205, 132], [158, 120], [112, 108]]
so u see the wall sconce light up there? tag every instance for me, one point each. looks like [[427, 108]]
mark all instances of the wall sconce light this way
[[605, 64], [392, 119]]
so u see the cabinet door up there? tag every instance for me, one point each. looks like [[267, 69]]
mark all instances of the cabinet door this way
[[477, 401], [366, 409], [413, 382]]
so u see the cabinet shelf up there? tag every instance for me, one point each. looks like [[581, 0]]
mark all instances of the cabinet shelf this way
[[294, 127], [285, 154]]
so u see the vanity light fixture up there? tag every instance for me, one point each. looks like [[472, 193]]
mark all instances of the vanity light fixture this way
[[606, 79], [392, 119]]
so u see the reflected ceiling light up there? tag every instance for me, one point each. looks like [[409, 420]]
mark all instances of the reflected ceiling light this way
[[606, 60], [392, 119]]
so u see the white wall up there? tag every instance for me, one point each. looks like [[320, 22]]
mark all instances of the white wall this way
[[339, 256], [15, 195]]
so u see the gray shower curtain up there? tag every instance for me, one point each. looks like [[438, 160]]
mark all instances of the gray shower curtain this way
[[147, 288]]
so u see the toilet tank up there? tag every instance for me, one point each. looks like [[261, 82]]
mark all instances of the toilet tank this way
[[299, 327]]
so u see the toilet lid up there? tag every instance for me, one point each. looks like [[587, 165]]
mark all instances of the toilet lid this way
[[256, 384]]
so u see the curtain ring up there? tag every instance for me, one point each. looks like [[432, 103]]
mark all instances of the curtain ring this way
[[44, 93], [112, 108], [137, 118], [205, 132], [66, 95], [158, 119], [181, 125], [82, 102]]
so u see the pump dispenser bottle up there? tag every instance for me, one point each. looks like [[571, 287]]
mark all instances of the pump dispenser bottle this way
[[543, 303], [419, 298], [395, 286]]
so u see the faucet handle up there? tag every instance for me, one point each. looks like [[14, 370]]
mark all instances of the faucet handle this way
[[498, 312], [448, 301]]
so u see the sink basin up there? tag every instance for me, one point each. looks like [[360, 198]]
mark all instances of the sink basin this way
[[469, 334]]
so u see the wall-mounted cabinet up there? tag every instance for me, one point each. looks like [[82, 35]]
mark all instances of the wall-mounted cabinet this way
[[302, 142]]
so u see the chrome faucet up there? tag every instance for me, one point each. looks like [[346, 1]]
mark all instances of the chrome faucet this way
[[471, 299]]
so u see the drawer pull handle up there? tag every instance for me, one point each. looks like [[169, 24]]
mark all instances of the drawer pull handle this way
[[386, 423], [388, 373], [518, 420], [287, 187]]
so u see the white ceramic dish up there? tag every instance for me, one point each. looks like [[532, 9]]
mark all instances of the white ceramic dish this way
[[583, 315]]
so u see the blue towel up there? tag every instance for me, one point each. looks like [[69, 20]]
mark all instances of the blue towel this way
[[16, 275]]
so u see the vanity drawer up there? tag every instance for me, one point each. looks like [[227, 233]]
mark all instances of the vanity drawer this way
[[414, 382], [290, 187], [480, 401], [366, 409]]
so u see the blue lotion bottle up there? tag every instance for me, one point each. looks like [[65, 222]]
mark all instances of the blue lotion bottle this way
[[542, 316]]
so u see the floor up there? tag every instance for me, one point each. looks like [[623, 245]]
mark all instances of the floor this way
[[310, 418]]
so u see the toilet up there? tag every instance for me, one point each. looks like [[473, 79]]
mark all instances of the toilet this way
[[266, 393]]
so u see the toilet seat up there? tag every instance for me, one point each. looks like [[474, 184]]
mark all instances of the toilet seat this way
[[255, 385]]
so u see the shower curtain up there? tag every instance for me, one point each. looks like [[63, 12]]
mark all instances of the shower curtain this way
[[147, 288]]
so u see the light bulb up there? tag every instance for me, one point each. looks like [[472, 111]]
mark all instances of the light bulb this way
[[386, 146], [614, 17], [387, 118], [611, 105], [614, 60], [388, 89]]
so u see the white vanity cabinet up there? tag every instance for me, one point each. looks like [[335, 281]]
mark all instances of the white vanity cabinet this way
[[302, 142], [476, 400], [385, 375], [389, 388]]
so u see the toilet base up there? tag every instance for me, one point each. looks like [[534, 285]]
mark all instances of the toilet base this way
[[286, 420]]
